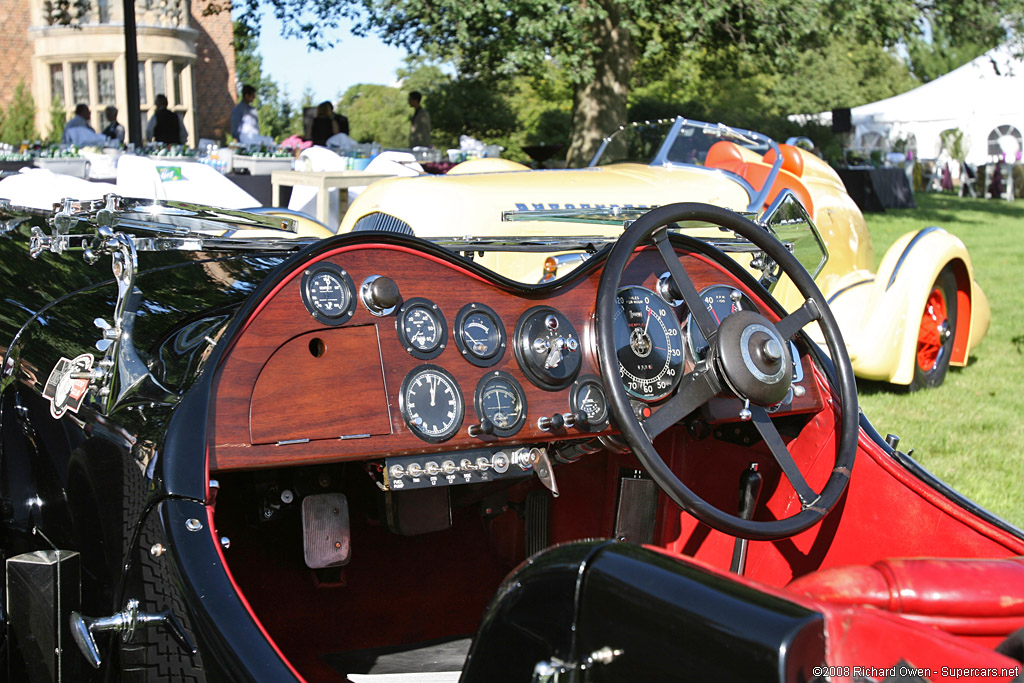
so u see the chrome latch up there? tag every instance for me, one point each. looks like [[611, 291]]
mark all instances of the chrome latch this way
[[553, 670], [125, 622]]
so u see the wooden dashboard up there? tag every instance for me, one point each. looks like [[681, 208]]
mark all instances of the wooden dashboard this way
[[294, 390]]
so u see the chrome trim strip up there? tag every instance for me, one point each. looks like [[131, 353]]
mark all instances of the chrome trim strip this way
[[848, 288], [906, 252]]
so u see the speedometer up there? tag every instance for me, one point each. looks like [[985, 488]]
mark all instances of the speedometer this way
[[648, 344]]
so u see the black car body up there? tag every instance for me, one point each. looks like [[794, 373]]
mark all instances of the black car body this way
[[249, 457]]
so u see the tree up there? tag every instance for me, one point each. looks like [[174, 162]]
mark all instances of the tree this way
[[20, 120], [599, 42], [57, 120]]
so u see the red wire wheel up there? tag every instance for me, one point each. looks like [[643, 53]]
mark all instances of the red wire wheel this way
[[935, 334]]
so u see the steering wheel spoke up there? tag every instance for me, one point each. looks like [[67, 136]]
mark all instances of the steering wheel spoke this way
[[766, 428], [798, 319], [746, 355], [696, 389], [685, 286]]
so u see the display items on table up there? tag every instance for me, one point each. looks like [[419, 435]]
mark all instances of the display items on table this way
[[262, 161]]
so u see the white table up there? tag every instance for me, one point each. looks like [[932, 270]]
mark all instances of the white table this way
[[323, 181]]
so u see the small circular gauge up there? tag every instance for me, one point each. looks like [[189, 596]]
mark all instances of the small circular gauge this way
[[721, 301], [431, 403], [648, 344], [479, 335], [328, 293], [421, 328], [500, 400], [588, 404]]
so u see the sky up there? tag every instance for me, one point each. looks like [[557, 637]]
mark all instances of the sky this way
[[329, 72]]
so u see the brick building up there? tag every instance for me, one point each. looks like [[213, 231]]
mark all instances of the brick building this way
[[182, 54]]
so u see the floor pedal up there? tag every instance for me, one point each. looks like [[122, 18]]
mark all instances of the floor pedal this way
[[326, 536], [637, 510], [538, 504]]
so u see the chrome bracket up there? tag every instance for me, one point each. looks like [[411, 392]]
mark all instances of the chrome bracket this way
[[121, 377], [125, 622], [553, 670]]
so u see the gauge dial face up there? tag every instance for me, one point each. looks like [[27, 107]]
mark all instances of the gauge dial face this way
[[327, 293], [431, 403], [421, 328], [479, 334], [648, 344], [500, 399], [588, 404], [721, 301]]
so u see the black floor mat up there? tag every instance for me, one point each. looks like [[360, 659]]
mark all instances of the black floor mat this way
[[447, 654]]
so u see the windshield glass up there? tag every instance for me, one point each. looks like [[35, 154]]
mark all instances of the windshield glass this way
[[675, 141]]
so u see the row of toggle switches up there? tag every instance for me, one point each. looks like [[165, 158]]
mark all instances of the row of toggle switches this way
[[471, 467]]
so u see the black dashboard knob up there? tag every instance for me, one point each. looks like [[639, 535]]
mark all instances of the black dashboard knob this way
[[380, 295]]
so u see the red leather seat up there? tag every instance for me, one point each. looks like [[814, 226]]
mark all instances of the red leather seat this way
[[727, 156], [983, 598]]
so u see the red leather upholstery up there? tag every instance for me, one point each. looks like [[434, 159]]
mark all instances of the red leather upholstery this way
[[727, 156], [792, 159], [961, 596]]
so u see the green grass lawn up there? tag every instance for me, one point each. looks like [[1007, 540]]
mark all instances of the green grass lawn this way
[[970, 431]]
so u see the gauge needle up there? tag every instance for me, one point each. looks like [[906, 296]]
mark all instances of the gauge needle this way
[[433, 389], [648, 323]]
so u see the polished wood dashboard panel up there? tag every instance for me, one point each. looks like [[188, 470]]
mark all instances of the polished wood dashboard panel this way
[[294, 391]]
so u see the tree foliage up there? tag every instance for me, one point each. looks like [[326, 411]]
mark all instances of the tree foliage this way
[[276, 112], [19, 121], [598, 43]]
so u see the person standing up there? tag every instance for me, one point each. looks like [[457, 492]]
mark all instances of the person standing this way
[[327, 124], [165, 126], [78, 131], [114, 131], [245, 124], [419, 126]]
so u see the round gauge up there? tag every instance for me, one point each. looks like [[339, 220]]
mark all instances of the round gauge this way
[[500, 400], [721, 301], [479, 335], [431, 403], [648, 344], [547, 348], [421, 328], [328, 293], [588, 404]]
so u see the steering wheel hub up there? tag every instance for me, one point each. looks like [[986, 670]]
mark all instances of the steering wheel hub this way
[[754, 358]]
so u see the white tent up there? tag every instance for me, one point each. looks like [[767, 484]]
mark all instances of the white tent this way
[[983, 98]]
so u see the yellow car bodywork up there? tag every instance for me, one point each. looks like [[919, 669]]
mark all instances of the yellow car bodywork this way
[[879, 313]]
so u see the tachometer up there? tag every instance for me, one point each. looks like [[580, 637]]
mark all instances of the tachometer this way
[[721, 301], [648, 344], [431, 403]]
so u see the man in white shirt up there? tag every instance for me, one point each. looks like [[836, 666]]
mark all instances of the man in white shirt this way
[[245, 124], [78, 132]]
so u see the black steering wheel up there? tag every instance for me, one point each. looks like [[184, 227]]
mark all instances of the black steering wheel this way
[[748, 357]]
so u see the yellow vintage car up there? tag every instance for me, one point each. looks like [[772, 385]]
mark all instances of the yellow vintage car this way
[[905, 323]]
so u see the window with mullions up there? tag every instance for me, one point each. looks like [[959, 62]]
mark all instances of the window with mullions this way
[[105, 83], [142, 84], [57, 83], [159, 78], [80, 82]]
